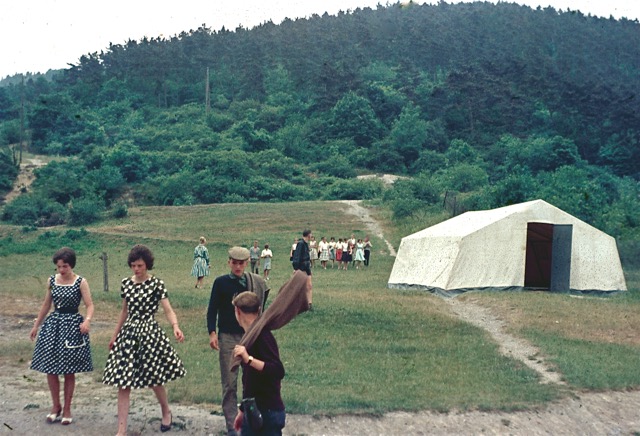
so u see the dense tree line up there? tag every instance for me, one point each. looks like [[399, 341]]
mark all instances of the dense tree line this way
[[497, 103]]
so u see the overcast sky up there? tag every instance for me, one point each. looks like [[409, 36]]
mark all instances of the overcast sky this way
[[38, 35]]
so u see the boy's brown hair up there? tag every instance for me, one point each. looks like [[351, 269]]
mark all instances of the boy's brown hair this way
[[247, 302]]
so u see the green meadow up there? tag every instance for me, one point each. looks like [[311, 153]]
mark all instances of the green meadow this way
[[365, 349]]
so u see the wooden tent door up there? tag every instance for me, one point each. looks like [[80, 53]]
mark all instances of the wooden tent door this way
[[548, 256]]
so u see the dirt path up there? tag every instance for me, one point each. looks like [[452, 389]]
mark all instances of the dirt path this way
[[24, 398], [25, 177], [509, 345], [355, 208]]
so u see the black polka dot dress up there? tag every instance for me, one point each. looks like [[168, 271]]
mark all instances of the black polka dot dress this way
[[142, 355], [60, 347]]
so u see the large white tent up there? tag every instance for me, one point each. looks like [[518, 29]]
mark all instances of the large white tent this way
[[531, 245]]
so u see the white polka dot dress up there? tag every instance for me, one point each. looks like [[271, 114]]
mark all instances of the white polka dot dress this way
[[142, 355], [60, 347]]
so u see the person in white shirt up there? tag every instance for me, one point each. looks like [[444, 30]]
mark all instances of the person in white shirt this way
[[266, 254], [323, 249]]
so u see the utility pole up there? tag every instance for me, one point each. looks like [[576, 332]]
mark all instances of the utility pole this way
[[21, 120], [207, 94]]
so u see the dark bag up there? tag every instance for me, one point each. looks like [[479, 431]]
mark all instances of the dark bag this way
[[252, 413]]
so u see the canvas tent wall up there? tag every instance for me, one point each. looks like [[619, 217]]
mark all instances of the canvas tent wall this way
[[528, 245]]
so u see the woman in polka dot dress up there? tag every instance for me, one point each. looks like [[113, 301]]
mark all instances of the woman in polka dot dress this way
[[141, 354], [63, 342]]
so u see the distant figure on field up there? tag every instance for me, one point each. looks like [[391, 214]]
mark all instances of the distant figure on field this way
[[323, 249], [293, 248], [254, 254], [266, 255], [313, 250], [367, 250], [359, 253], [201, 262], [302, 260]]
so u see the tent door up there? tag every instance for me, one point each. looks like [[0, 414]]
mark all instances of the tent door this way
[[561, 257], [548, 256]]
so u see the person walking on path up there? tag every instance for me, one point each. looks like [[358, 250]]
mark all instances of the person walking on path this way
[[62, 346], [201, 262], [221, 315], [141, 354], [302, 260], [254, 254]]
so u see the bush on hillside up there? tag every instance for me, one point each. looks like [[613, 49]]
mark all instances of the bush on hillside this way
[[350, 189], [8, 172], [85, 210], [33, 209]]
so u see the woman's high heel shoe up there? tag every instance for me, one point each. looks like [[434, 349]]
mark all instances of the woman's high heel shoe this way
[[166, 428], [54, 417]]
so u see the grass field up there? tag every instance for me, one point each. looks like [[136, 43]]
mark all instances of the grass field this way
[[365, 348]]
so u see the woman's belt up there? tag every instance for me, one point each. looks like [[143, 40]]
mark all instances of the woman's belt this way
[[67, 309]]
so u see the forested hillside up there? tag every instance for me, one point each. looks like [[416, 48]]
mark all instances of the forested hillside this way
[[494, 103]]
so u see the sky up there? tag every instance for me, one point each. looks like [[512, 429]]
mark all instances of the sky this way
[[38, 35]]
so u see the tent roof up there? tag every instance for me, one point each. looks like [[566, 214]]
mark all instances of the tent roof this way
[[471, 222]]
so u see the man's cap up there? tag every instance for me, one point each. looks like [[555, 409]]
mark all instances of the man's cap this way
[[238, 253]]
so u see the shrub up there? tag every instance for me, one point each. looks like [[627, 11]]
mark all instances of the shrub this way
[[120, 210], [85, 210], [354, 189], [463, 178], [405, 206], [8, 172], [34, 210]]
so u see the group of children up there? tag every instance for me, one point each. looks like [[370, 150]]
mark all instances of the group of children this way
[[342, 252]]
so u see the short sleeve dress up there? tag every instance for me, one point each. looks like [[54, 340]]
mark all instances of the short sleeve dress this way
[[142, 355], [60, 347], [323, 247], [359, 252], [200, 261], [313, 250]]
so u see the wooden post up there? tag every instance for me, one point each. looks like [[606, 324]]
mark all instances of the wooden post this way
[[105, 277]]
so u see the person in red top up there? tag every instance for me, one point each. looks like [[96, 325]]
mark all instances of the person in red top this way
[[262, 371]]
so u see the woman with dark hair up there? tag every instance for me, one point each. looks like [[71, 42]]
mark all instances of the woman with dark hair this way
[[63, 345], [141, 354]]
